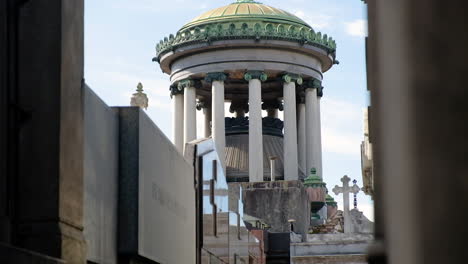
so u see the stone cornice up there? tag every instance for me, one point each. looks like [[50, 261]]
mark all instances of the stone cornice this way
[[290, 77], [249, 75], [248, 30], [215, 76]]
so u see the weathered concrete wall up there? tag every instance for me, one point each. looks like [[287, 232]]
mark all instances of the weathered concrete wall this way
[[100, 179], [276, 203], [156, 193]]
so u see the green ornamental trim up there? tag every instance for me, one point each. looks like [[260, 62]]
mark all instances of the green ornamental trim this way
[[255, 75], [290, 77], [215, 76], [255, 30], [315, 84], [185, 84], [314, 180], [174, 90], [189, 83], [330, 201]]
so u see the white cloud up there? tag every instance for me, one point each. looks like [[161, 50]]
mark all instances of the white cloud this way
[[338, 119], [357, 28], [317, 21]]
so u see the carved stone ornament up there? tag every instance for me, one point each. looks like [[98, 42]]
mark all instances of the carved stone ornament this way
[[139, 98], [315, 84], [175, 90], [290, 77], [256, 31], [255, 75], [203, 103], [215, 76]]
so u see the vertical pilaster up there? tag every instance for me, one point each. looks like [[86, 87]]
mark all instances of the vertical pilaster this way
[[177, 118], [190, 114], [217, 102], [255, 125], [290, 129]]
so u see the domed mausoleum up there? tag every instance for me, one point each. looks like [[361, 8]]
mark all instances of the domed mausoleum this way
[[256, 57]]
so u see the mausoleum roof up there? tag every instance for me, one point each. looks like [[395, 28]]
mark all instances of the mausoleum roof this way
[[246, 20], [246, 11]]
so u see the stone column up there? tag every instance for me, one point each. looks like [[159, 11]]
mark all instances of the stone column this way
[[204, 105], [290, 129], [313, 145], [217, 101], [177, 118], [255, 125], [190, 113], [208, 114], [301, 134], [318, 132]]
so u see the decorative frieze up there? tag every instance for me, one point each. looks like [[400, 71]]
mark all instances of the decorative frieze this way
[[255, 31]]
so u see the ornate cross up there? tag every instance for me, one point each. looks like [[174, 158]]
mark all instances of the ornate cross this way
[[345, 190]]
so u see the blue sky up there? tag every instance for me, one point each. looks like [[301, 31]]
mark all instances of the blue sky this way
[[120, 39]]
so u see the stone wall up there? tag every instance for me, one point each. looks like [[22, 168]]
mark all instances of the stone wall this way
[[276, 203], [100, 179]]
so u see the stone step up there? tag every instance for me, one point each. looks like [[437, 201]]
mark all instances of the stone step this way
[[330, 259]]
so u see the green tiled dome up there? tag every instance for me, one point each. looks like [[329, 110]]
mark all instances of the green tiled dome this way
[[246, 11], [246, 19]]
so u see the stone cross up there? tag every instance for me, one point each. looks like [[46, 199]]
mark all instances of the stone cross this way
[[345, 190]]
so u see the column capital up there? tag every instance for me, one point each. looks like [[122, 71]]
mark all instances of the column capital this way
[[215, 76], [315, 84], [272, 104], [239, 105], [291, 77], [203, 103], [186, 83], [174, 90], [249, 75]]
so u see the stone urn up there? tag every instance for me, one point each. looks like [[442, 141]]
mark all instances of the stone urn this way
[[316, 192], [332, 206]]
